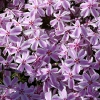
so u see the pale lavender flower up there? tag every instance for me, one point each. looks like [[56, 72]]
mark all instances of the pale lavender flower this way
[[67, 31], [60, 18], [39, 38], [32, 22], [10, 33], [24, 59], [70, 75], [19, 47], [90, 6], [77, 59], [8, 63], [77, 44], [51, 51], [35, 8], [78, 30]]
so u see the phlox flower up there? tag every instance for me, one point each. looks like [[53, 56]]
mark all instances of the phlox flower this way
[[60, 18], [24, 59], [10, 33], [90, 6]]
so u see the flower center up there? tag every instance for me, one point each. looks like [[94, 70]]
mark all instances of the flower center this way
[[58, 18], [90, 6], [24, 61], [65, 52], [70, 75], [8, 33], [37, 38], [31, 22], [48, 71], [85, 87], [49, 52], [18, 49], [17, 24], [49, 2], [78, 25], [68, 32], [9, 86], [29, 96], [21, 91], [77, 61], [90, 82], [6, 64], [35, 7], [76, 45]]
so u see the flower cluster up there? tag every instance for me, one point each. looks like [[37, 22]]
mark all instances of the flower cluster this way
[[50, 50]]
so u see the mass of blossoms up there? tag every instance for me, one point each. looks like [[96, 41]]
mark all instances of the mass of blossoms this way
[[49, 49]]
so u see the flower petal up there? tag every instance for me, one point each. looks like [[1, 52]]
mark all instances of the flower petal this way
[[70, 83], [15, 31]]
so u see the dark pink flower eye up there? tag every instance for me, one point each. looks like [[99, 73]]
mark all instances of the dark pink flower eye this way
[[49, 52], [77, 60], [21, 91], [8, 33]]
